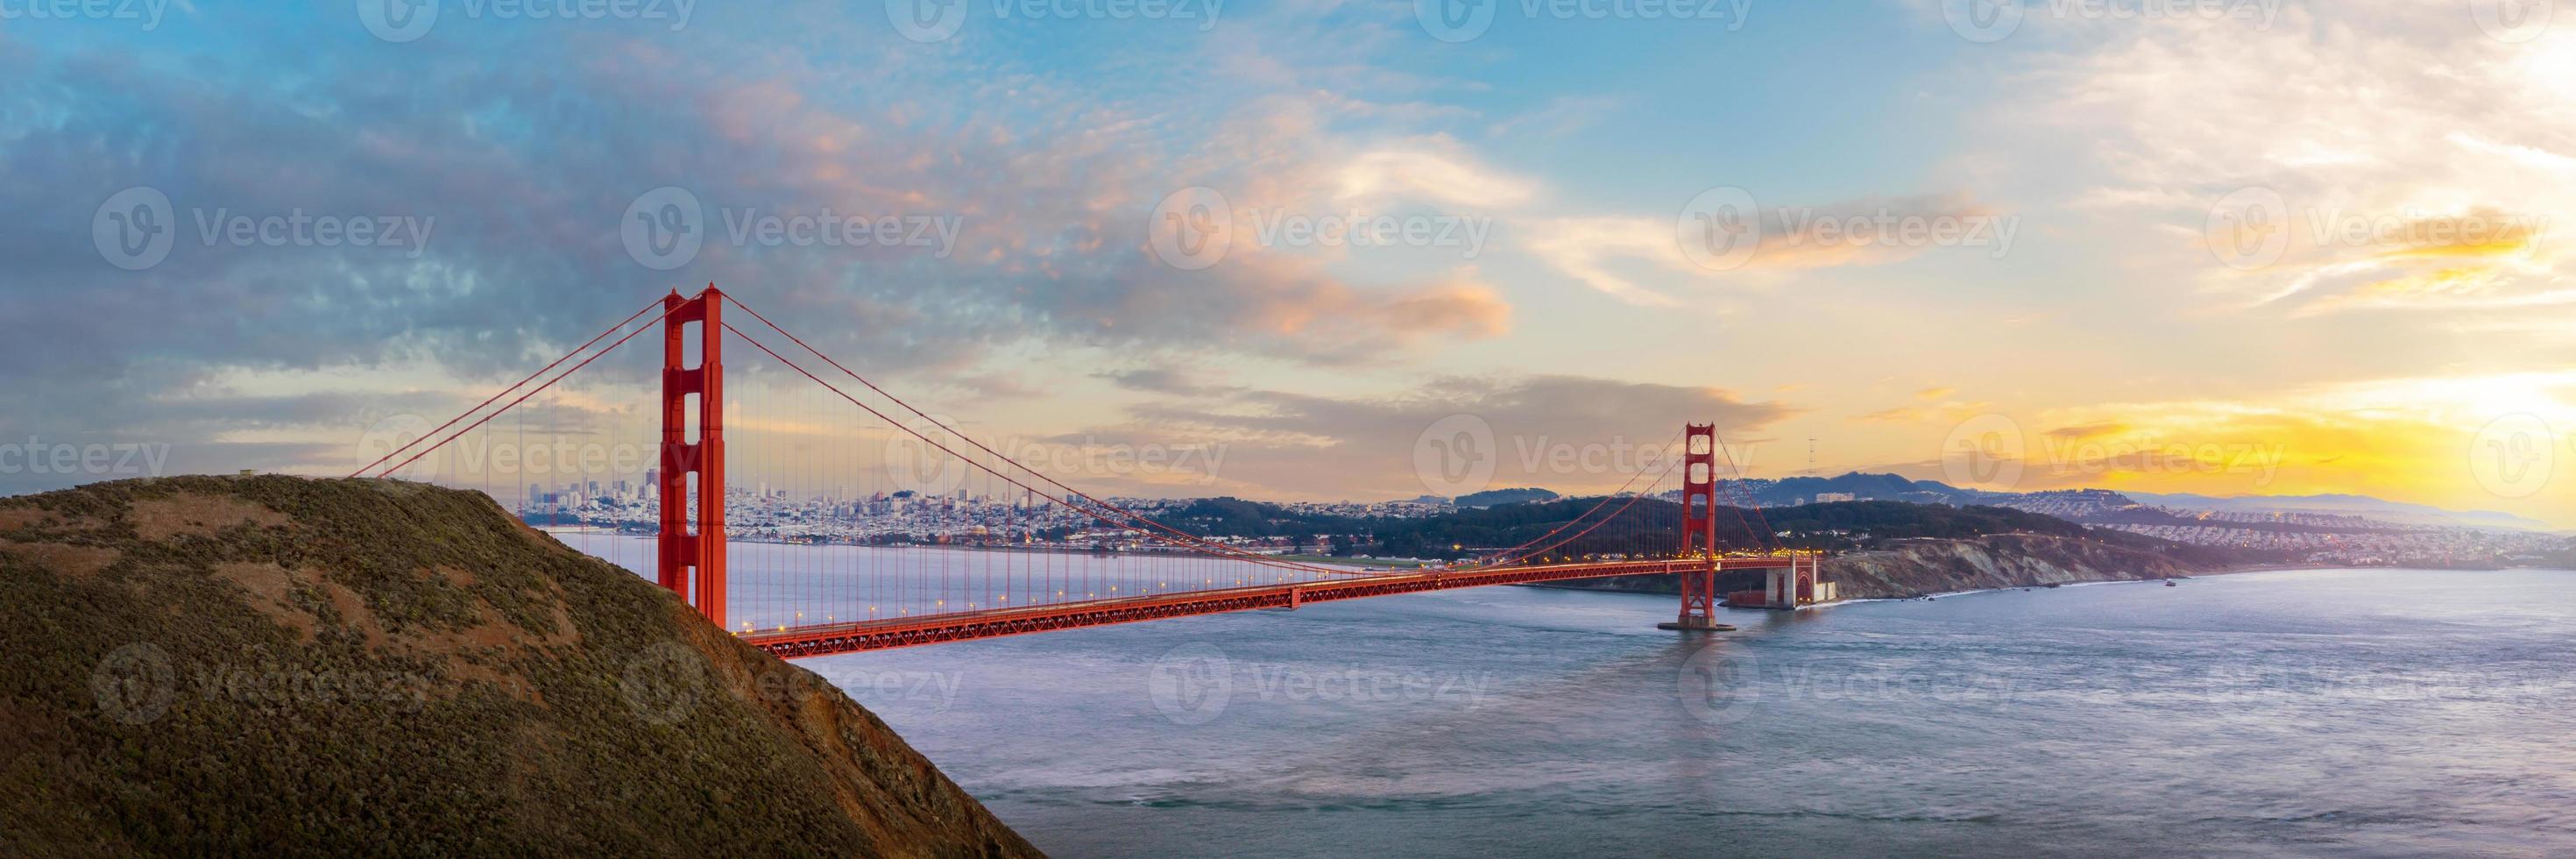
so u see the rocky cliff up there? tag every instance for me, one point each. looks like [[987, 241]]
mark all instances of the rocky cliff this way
[[348, 667], [1918, 567]]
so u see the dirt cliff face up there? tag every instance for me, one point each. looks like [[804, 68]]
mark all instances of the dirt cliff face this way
[[280, 665], [1915, 568], [1918, 567]]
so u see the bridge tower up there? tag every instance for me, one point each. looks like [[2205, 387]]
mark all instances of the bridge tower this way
[[1699, 530], [693, 559]]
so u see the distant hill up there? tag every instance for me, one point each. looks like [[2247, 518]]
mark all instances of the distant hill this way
[[1863, 487], [1891, 487], [2346, 505], [273, 665], [1652, 526], [1500, 497]]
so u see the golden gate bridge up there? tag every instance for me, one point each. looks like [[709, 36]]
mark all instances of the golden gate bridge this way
[[825, 601]]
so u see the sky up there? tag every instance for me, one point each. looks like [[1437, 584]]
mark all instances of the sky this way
[[1318, 250]]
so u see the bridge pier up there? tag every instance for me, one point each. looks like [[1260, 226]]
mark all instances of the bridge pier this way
[[1699, 602]]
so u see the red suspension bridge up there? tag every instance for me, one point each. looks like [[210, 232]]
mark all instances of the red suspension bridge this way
[[1047, 556]]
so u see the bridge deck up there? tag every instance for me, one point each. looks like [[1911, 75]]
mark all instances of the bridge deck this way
[[821, 640]]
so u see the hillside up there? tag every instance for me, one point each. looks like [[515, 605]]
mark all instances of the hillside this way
[[1920, 567], [1881, 548], [347, 667], [1500, 497], [2347, 505], [1651, 526]]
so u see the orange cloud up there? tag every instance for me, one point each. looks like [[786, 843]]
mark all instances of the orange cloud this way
[[2492, 442]]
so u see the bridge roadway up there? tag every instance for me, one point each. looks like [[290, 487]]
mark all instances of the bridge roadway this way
[[826, 639]]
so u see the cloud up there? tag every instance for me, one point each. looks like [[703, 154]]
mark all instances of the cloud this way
[[2353, 117], [1561, 115], [1431, 169], [1633, 258], [1569, 433], [2094, 430], [524, 144], [2498, 441], [1942, 411], [1162, 380]]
